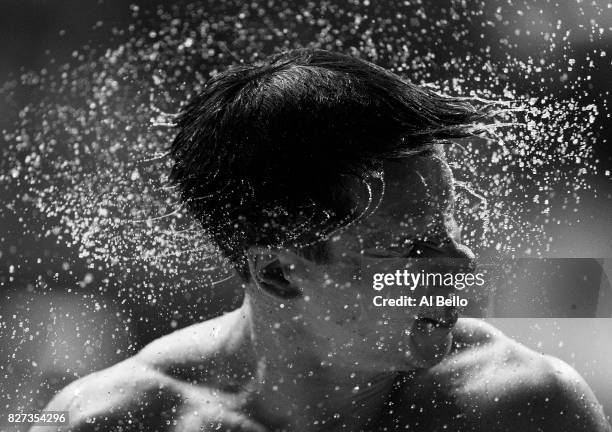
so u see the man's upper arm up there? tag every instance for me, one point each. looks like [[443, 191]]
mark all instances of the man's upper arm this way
[[547, 395], [573, 401]]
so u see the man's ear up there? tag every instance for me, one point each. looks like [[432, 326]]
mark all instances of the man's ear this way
[[272, 271]]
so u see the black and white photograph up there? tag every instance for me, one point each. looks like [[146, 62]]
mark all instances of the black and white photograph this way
[[305, 216]]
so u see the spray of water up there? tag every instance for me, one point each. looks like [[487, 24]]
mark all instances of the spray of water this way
[[89, 159]]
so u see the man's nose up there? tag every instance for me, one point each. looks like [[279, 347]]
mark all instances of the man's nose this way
[[462, 251], [444, 248]]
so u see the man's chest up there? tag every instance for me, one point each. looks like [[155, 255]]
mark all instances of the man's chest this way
[[433, 411], [426, 404], [426, 407]]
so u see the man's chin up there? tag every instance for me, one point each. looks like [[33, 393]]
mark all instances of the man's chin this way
[[429, 350]]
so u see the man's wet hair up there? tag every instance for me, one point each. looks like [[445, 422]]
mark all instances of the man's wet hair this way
[[269, 154]]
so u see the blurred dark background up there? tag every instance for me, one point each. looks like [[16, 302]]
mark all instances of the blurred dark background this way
[[49, 336]]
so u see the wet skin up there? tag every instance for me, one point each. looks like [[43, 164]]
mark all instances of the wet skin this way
[[486, 383], [306, 352]]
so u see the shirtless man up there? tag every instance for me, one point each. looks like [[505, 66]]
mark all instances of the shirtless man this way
[[285, 163]]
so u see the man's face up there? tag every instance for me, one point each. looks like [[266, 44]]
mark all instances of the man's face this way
[[412, 229]]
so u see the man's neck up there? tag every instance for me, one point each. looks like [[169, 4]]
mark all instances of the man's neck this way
[[300, 388]]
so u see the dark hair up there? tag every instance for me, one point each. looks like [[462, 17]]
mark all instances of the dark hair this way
[[263, 154]]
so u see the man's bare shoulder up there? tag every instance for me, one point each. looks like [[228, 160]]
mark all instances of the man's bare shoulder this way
[[499, 384], [171, 383], [105, 396], [220, 347]]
